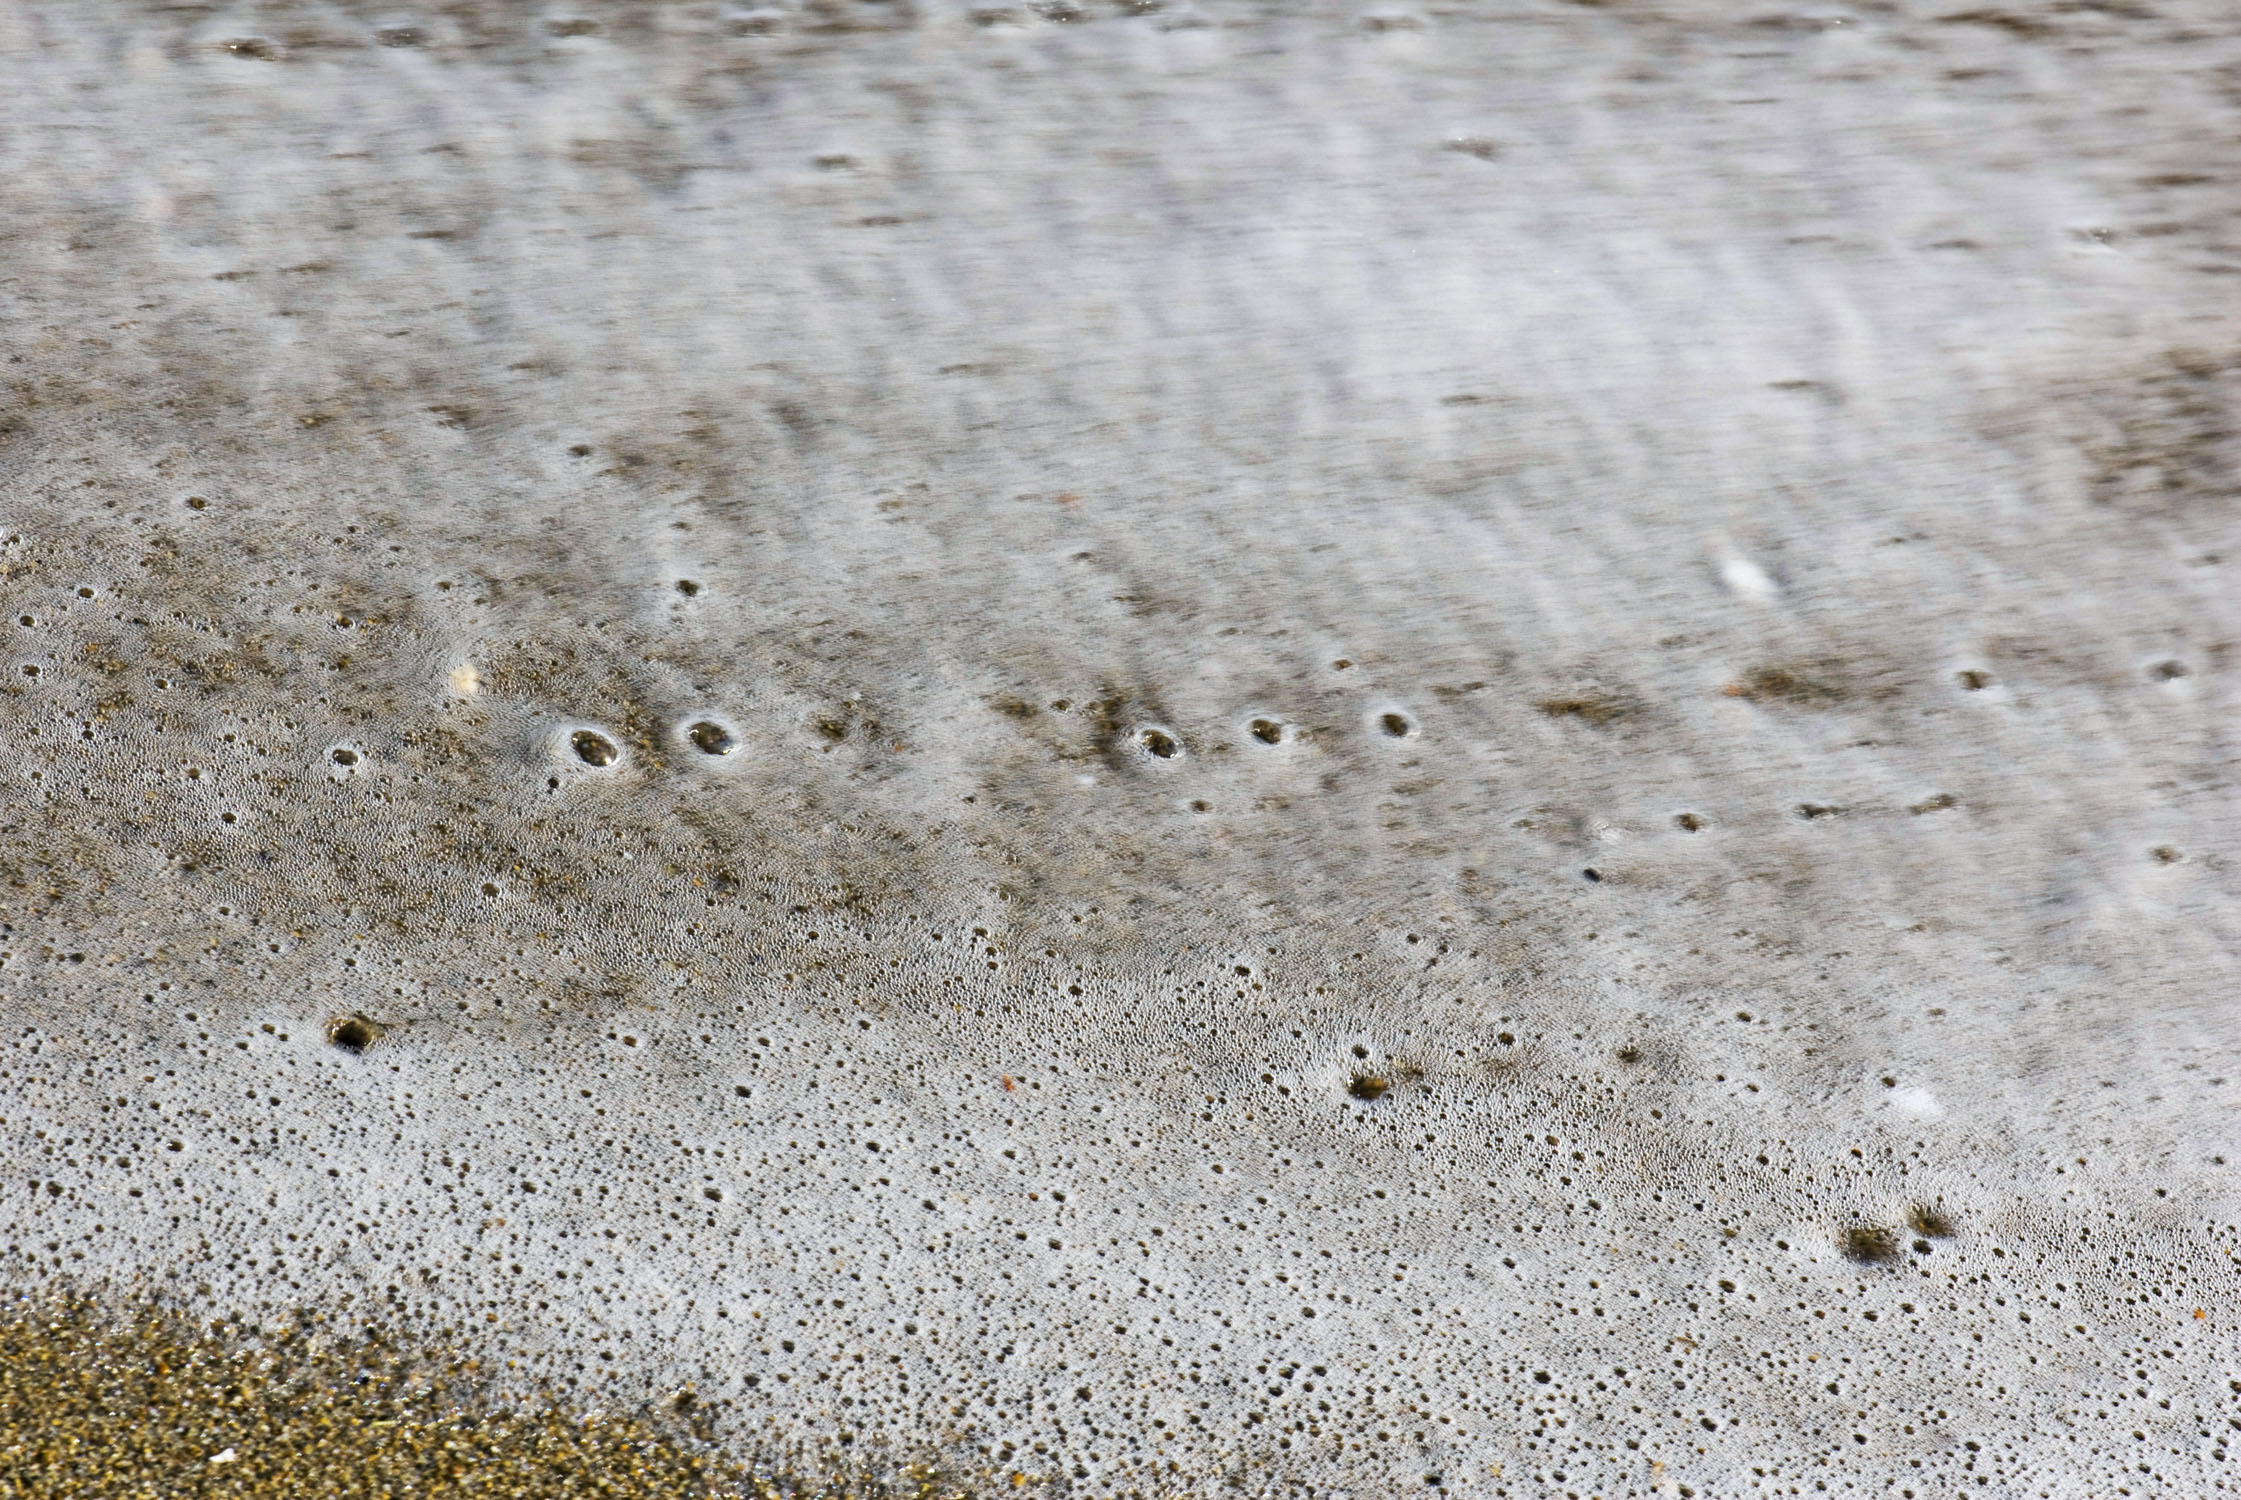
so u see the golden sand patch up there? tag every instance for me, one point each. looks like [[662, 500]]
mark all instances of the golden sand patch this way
[[99, 1405]]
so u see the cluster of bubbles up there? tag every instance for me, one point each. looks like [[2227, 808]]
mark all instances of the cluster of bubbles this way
[[984, 797], [950, 1173], [1046, 1213]]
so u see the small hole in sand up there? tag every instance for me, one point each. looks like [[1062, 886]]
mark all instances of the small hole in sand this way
[[1592, 875], [2165, 854], [1689, 821], [593, 748], [196, 502], [1929, 1219], [489, 889], [353, 1033], [711, 738], [1870, 1244], [2167, 671], [1267, 731], [1394, 724], [687, 587], [1368, 1086], [1202, 806], [1973, 680], [1159, 742], [343, 757]]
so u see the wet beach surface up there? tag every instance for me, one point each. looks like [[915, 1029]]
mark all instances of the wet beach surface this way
[[1126, 749]]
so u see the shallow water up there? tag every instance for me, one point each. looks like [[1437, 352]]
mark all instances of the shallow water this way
[[1161, 749]]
